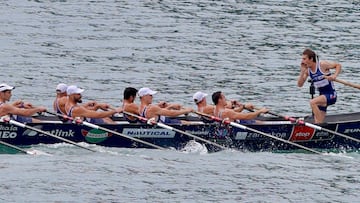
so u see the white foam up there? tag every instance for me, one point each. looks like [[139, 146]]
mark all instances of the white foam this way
[[194, 147]]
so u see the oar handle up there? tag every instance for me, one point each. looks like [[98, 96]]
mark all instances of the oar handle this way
[[209, 116], [136, 116], [60, 115], [347, 83], [282, 116]]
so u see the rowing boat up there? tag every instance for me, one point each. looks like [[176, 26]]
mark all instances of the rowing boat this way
[[226, 135]]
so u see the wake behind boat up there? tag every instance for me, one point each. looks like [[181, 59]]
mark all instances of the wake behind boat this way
[[220, 133]]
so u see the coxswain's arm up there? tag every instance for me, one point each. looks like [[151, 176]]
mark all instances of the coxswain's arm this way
[[327, 65], [303, 75]]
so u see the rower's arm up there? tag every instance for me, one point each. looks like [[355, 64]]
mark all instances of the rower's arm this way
[[244, 116], [81, 111], [10, 109], [155, 110], [331, 65], [303, 75]]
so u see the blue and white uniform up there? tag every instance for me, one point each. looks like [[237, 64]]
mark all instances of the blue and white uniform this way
[[324, 86]]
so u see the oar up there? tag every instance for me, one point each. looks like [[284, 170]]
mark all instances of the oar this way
[[17, 148], [162, 125], [347, 83], [256, 131], [79, 121], [13, 122], [315, 126]]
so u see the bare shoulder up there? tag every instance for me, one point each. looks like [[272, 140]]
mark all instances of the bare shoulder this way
[[132, 107], [154, 108], [209, 109], [63, 99], [328, 64]]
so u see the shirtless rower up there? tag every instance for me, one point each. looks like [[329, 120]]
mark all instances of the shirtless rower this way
[[129, 104], [225, 113]]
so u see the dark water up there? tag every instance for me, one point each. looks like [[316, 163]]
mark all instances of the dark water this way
[[248, 49]]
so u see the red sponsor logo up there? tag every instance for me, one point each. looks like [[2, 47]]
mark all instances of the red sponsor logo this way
[[301, 133]]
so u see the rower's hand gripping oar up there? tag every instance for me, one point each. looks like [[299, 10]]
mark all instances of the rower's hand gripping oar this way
[[315, 126], [13, 122], [256, 131], [79, 121], [162, 125]]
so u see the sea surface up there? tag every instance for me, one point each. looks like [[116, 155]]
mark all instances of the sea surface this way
[[250, 50]]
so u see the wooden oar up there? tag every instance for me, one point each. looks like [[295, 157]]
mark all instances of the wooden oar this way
[[162, 125], [17, 148], [347, 83], [256, 131], [79, 121], [315, 126], [13, 122]]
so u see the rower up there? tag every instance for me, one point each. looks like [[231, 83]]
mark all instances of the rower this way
[[19, 110], [129, 104], [92, 116], [148, 110], [225, 113], [202, 106], [61, 99]]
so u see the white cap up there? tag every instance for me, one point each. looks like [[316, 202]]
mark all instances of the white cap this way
[[146, 91], [72, 89], [61, 87], [199, 96], [4, 87]]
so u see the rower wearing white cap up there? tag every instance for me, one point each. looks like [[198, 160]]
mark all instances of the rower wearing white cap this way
[[18, 110], [61, 98], [74, 110], [148, 110]]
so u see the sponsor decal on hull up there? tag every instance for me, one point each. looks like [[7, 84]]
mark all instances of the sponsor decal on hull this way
[[95, 135], [56, 132], [253, 135], [351, 130], [8, 132], [149, 133], [302, 133]]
